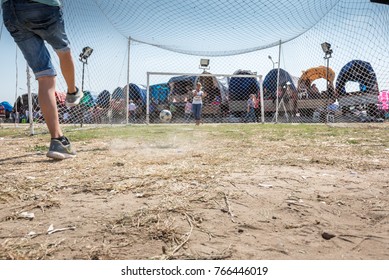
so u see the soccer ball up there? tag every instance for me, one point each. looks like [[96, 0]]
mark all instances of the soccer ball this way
[[165, 116]]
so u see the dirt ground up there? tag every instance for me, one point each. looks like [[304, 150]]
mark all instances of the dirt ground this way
[[273, 193]]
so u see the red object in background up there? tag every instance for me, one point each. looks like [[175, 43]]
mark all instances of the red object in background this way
[[2, 111], [60, 97], [383, 100]]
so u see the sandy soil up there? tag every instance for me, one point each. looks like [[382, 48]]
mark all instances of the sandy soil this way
[[268, 196]]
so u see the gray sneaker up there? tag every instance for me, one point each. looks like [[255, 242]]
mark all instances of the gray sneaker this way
[[74, 99], [60, 151]]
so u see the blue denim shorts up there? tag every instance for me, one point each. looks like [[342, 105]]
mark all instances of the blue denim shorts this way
[[30, 24]]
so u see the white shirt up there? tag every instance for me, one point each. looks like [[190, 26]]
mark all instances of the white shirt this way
[[131, 107], [197, 99], [188, 108]]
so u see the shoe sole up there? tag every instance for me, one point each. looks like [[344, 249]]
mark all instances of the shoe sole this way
[[59, 156], [76, 102]]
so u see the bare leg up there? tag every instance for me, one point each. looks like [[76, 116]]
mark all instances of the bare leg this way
[[67, 69], [47, 102]]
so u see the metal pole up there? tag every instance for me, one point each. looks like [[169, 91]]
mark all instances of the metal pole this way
[[261, 99], [81, 107], [128, 77], [272, 61], [148, 100], [278, 80], [16, 90], [203, 75], [30, 112], [1, 30], [328, 96], [83, 71]]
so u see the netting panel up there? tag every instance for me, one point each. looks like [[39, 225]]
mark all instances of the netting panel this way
[[226, 98], [203, 27], [358, 30]]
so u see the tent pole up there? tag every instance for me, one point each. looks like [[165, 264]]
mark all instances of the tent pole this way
[[128, 77], [30, 112], [278, 80], [261, 99]]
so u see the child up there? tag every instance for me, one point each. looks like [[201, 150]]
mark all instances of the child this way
[[132, 110], [197, 102], [188, 110]]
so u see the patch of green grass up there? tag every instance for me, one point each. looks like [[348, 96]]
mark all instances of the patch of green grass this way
[[39, 148], [14, 132], [234, 132], [135, 132], [353, 141]]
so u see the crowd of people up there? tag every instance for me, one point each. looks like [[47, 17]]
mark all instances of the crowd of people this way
[[308, 91]]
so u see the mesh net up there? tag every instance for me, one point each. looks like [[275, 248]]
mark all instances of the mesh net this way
[[172, 36], [224, 98], [204, 27]]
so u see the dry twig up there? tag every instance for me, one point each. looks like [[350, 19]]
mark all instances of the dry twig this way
[[169, 256], [228, 207]]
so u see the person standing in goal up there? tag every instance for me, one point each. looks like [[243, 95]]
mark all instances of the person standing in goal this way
[[31, 23], [197, 102]]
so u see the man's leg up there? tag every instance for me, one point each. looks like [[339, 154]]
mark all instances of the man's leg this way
[[47, 102], [74, 95], [67, 69], [60, 147]]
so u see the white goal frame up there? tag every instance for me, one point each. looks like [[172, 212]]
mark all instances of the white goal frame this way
[[258, 77]]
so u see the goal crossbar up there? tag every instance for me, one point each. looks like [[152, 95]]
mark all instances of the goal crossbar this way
[[258, 77]]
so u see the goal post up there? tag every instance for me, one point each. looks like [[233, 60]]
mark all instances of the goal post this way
[[172, 91]]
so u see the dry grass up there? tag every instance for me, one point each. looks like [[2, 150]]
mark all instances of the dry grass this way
[[217, 192]]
